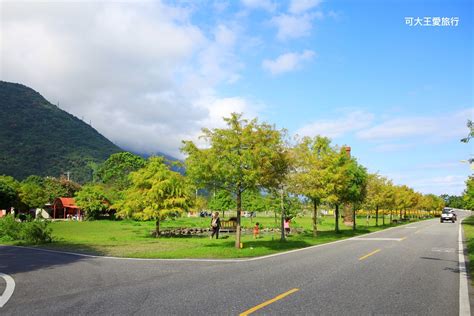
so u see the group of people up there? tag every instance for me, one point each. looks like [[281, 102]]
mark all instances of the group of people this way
[[216, 225]]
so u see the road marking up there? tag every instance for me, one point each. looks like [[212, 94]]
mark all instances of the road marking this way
[[378, 239], [464, 308], [442, 249], [10, 287], [411, 227], [273, 300], [370, 254], [403, 238]]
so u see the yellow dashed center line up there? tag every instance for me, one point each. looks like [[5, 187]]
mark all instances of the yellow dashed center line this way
[[370, 254], [260, 306]]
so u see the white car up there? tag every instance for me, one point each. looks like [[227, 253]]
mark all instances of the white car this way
[[447, 216]]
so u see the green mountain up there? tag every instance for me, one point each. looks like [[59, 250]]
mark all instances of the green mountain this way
[[38, 138]]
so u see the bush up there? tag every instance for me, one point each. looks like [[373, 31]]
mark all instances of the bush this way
[[9, 228], [35, 232]]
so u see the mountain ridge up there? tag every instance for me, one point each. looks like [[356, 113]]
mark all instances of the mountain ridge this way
[[39, 138]]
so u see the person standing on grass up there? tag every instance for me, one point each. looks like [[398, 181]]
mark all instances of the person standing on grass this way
[[286, 225], [256, 231], [215, 224]]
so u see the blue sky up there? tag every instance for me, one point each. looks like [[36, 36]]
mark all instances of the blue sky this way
[[149, 74]]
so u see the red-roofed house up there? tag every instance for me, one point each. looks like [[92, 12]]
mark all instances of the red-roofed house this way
[[62, 207]]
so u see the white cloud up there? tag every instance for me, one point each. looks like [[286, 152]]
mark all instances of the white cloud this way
[[449, 184], [350, 122], [300, 6], [294, 26], [266, 5], [287, 62], [138, 71], [453, 184], [435, 127], [383, 148]]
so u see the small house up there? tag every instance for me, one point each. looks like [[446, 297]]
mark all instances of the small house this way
[[65, 208]]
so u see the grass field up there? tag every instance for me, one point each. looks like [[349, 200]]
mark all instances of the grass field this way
[[468, 226], [133, 239]]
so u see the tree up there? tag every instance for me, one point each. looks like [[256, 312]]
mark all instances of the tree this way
[[430, 203], [156, 193], [253, 201], [93, 200], [468, 195], [312, 159], [405, 199], [284, 203], [115, 170], [244, 155], [32, 193], [469, 125], [61, 187], [222, 201], [453, 201], [199, 204], [9, 188], [380, 194], [348, 182]]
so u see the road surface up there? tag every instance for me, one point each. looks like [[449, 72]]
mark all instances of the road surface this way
[[412, 269]]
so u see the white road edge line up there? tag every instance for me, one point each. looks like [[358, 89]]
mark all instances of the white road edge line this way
[[207, 260], [378, 239], [10, 287], [464, 307]]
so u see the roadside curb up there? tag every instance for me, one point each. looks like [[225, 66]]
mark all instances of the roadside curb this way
[[212, 260]]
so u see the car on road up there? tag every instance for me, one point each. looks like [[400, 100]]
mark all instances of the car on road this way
[[448, 215]]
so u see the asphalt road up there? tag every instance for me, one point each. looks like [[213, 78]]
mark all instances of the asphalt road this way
[[411, 269]]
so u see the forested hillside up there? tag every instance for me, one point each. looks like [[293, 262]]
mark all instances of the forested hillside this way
[[38, 138]]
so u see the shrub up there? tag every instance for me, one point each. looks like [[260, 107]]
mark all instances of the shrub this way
[[9, 229], [35, 232]]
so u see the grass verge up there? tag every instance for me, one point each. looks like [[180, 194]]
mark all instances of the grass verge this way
[[132, 239], [468, 226]]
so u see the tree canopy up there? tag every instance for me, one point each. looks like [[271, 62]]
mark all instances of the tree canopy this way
[[155, 192], [115, 170], [244, 155]]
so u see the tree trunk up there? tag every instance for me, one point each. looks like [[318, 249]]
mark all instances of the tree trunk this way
[[353, 218], [282, 226], [377, 215], [275, 214], [157, 228], [239, 211], [315, 218], [400, 215], [336, 224], [391, 217], [383, 217]]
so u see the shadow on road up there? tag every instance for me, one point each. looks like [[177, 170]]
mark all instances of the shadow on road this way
[[438, 259], [18, 260]]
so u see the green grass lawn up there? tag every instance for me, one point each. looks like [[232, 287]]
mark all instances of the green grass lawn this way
[[468, 226], [133, 239]]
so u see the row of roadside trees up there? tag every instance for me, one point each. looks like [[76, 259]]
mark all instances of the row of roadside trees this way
[[246, 165]]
